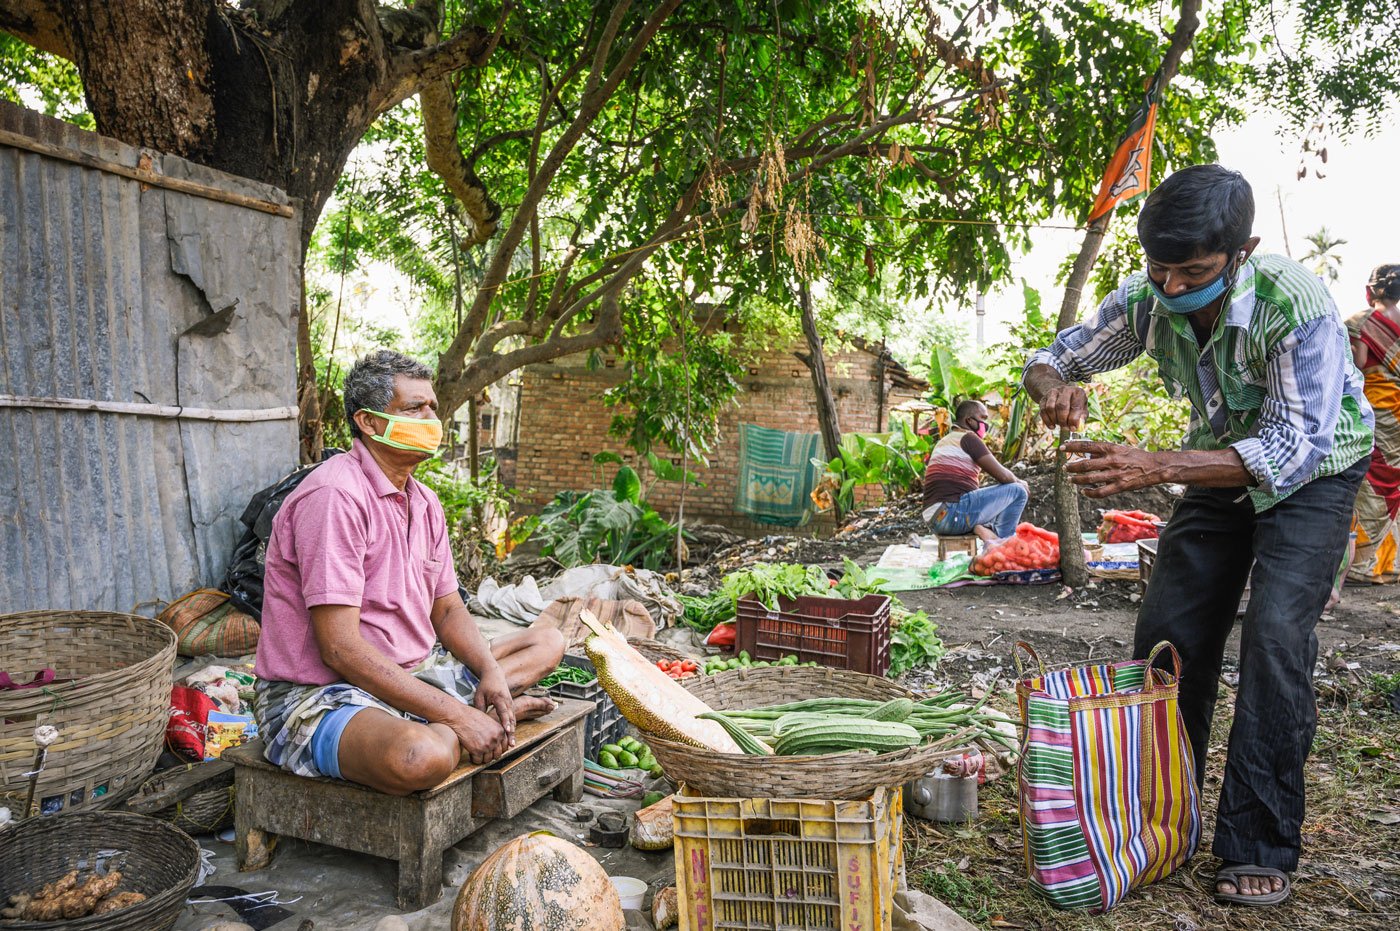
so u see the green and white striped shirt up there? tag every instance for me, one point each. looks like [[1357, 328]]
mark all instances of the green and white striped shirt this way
[[1275, 381]]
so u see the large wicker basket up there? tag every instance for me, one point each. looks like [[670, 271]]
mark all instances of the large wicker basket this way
[[155, 859], [195, 797], [109, 699], [656, 650], [842, 776]]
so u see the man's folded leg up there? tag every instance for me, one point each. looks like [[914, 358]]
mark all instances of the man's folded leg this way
[[390, 753]]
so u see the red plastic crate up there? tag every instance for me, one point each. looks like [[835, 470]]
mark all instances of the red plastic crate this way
[[836, 632]]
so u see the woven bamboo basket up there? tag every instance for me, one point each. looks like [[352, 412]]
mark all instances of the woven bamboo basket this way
[[835, 776], [655, 650], [203, 806], [155, 859], [110, 700]]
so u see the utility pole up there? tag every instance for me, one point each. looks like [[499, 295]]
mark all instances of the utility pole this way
[[981, 319]]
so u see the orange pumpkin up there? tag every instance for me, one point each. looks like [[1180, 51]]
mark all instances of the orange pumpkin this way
[[538, 882]]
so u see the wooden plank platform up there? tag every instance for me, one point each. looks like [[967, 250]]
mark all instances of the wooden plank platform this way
[[413, 830]]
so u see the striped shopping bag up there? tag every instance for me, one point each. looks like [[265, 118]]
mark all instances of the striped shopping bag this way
[[1108, 797]]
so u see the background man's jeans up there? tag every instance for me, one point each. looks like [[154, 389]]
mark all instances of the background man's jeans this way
[[1203, 560], [998, 507]]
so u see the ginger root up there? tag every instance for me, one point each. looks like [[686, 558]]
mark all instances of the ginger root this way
[[18, 903], [72, 901], [117, 901], [58, 886]]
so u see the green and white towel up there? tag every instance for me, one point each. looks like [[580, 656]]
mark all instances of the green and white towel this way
[[776, 475]]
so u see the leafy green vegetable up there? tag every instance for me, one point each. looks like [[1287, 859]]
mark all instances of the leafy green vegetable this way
[[914, 642], [566, 673], [770, 581], [704, 612]]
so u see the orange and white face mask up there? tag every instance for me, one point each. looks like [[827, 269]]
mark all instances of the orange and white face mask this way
[[418, 434]]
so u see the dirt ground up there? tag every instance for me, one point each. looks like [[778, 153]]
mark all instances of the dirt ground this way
[[1349, 876]]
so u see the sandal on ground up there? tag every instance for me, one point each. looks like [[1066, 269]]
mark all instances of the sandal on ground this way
[[1232, 873]]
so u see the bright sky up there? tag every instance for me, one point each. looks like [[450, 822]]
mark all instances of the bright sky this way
[[1357, 200]]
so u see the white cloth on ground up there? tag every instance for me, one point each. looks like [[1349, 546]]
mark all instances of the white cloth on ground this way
[[523, 602]]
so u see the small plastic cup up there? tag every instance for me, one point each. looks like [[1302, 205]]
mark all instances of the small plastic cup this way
[[630, 890]]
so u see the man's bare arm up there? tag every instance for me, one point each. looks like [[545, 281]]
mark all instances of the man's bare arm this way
[[1061, 404], [337, 630], [1111, 468], [996, 470]]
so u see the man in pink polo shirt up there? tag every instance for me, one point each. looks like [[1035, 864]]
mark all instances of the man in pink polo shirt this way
[[369, 666]]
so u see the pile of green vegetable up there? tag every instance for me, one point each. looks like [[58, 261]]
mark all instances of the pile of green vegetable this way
[[629, 753], [818, 726], [717, 664], [914, 639], [567, 673], [770, 581]]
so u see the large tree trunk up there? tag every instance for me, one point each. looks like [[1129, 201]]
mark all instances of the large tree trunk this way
[[816, 364]]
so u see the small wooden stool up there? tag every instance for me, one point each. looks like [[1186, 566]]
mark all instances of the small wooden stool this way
[[414, 829], [957, 543]]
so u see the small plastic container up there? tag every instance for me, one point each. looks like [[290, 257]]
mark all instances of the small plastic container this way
[[631, 890]]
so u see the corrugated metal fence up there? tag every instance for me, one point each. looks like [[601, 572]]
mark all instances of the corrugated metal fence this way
[[147, 373]]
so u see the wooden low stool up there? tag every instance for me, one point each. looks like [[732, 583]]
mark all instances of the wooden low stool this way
[[414, 829], [949, 544]]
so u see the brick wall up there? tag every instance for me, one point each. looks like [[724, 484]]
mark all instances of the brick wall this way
[[563, 422]]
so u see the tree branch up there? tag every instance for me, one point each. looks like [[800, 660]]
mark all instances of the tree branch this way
[[444, 157], [597, 91], [483, 370], [410, 70], [41, 23]]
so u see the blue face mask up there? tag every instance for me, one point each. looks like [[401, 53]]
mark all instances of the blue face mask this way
[[1188, 302]]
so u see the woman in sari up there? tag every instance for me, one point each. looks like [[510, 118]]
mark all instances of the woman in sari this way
[[1375, 343]]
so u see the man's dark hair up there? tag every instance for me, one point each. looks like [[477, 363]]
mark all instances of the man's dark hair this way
[[370, 382], [965, 408], [1198, 211], [1385, 282]]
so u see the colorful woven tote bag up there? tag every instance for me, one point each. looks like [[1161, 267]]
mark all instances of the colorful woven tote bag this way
[[1108, 797]]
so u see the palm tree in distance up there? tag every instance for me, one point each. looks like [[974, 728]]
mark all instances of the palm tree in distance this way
[[1322, 255]]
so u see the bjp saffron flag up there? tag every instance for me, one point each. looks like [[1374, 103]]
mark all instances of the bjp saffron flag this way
[[1128, 174]]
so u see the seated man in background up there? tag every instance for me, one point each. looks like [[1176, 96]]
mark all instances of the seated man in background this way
[[369, 667], [953, 502]]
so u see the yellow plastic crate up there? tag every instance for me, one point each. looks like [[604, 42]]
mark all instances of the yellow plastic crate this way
[[789, 864]]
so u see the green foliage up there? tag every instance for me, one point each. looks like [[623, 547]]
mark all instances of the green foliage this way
[[914, 642], [973, 897], [949, 382], [893, 460], [469, 507], [46, 82], [1322, 257], [703, 613], [1338, 64], [609, 525], [679, 377]]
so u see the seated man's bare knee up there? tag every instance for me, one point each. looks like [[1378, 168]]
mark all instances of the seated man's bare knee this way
[[550, 643], [426, 760], [395, 756]]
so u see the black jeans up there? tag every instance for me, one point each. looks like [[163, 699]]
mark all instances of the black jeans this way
[[1203, 560]]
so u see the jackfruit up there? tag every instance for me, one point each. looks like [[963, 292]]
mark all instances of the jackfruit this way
[[646, 696]]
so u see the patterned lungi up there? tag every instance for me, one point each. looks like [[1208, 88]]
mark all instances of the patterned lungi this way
[[288, 713]]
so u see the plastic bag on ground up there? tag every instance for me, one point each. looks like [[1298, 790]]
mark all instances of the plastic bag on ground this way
[[1029, 548], [1128, 526]]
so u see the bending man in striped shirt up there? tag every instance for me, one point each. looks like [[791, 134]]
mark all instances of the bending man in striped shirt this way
[[1279, 439]]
